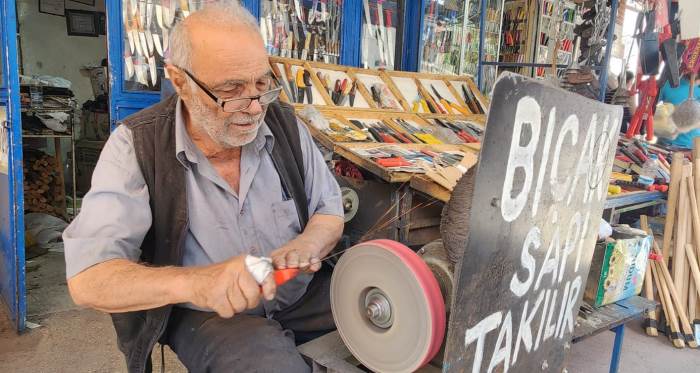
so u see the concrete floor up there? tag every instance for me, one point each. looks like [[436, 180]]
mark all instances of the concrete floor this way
[[71, 339]]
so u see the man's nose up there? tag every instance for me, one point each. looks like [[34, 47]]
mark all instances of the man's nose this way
[[255, 108]]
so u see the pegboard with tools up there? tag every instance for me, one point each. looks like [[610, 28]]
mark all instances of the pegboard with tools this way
[[307, 30]]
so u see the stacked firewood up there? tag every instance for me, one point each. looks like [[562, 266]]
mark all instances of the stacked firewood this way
[[42, 190], [673, 278]]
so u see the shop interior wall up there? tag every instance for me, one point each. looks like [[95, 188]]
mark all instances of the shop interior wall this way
[[48, 50]]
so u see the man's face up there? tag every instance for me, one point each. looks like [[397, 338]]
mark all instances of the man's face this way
[[232, 63]]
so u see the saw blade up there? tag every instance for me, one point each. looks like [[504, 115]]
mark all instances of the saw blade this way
[[400, 322]]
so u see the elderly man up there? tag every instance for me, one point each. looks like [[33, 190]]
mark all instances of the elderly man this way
[[185, 189]]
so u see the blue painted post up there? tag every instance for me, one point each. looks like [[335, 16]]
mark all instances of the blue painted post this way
[[350, 33], [482, 34], [412, 34], [617, 346], [253, 7], [12, 283], [608, 50]]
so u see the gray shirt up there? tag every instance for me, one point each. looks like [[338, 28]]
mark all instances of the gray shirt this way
[[115, 214]]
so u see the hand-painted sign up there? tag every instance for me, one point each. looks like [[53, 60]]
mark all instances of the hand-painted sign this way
[[538, 199]]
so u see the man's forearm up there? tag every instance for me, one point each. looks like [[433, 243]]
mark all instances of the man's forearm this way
[[119, 285], [321, 233]]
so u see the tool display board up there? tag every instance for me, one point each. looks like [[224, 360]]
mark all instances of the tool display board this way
[[396, 125], [533, 228]]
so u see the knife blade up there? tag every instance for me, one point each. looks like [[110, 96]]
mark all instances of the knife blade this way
[[308, 84], [159, 16], [301, 87], [158, 45], [153, 69], [149, 41], [166, 40], [128, 66], [290, 81]]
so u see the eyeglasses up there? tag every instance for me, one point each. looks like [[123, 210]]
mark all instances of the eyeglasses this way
[[234, 105]]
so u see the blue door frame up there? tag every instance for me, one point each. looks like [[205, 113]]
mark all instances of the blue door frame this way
[[12, 265]]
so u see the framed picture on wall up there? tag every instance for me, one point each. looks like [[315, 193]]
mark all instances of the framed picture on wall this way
[[81, 23], [55, 7], [86, 2]]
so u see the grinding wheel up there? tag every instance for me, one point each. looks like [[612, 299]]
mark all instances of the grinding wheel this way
[[351, 203], [387, 306]]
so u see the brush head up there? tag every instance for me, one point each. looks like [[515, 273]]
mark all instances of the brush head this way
[[686, 116]]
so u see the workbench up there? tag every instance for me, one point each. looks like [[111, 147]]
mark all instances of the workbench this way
[[329, 354], [618, 204], [611, 317]]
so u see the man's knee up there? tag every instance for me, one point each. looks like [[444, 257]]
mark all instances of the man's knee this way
[[241, 344]]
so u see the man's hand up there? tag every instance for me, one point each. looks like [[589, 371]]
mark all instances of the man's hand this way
[[307, 259], [228, 288]]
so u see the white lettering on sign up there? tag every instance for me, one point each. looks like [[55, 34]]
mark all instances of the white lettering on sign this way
[[478, 334], [559, 189], [527, 115], [554, 275], [533, 239]]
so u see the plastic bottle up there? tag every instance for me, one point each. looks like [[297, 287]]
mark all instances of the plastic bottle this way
[[650, 167]]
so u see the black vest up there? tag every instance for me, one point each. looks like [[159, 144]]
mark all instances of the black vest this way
[[154, 143]]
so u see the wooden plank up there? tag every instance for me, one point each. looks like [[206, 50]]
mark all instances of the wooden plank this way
[[397, 93], [320, 85], [680, 275], [652, 318], [479, 96], [673, 190], [364, 92], [426, 186], [458, 97], [611, 315]]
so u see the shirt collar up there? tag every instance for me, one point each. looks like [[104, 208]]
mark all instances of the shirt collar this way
[[187, 152]]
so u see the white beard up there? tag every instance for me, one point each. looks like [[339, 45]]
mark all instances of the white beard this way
[[226, 132]]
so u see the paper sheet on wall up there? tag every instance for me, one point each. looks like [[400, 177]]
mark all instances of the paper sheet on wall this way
[[689, 10]]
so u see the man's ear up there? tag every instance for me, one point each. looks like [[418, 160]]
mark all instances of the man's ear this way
[[177, 77]]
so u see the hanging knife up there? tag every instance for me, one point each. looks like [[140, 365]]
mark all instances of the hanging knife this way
[[168, 13], [185, 8], [157, 43], [308, 83], [390, 48], [383, 31], [301, 87], [305, 51], [153, 69], [128, 66], [352, 93], [166, 40], [290, 81], [159, 16]]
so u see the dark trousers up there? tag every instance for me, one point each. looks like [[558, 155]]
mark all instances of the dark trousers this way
[[205, 342]]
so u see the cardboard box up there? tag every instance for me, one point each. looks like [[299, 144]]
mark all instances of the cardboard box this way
[[617, 270]]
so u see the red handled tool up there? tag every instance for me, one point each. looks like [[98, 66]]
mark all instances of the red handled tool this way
[[393, 162], [284, 275]]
